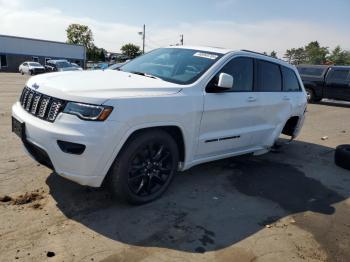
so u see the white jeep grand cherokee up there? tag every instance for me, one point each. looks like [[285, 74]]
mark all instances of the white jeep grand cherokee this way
[[167, 110]]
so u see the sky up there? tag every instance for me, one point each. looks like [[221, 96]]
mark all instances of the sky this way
[[259, 25]]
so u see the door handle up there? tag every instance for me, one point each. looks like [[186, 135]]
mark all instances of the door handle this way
[[286, 98], [251, 99]]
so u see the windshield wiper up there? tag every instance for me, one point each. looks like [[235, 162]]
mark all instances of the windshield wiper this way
[[144, 74]]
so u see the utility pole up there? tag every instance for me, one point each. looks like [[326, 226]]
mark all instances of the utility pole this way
[[181, 39], [143, 38], [143, 33]]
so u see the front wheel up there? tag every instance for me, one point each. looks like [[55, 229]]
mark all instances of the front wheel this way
[[311, 97], [145, 167]]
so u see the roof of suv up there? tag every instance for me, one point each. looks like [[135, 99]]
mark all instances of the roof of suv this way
[[225, 51]]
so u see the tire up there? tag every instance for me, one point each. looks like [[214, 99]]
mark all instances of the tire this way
[[21, 72], [342, 156], [31, 72], [144, 168], [311, 97]]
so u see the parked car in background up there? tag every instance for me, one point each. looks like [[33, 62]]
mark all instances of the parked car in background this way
[[99, 66], [116, 66], [168, 110], [59, 66], [31, 68], [326, 82], [77, 66]]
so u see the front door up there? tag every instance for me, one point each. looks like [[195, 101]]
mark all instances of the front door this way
[[229, 116]]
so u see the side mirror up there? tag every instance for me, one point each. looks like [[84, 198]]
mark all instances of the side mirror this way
[[225, 81]]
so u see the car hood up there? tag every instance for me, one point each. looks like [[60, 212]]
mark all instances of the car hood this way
[[99, 86]]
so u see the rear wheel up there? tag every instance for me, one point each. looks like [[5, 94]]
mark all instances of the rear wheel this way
[[145, 167]]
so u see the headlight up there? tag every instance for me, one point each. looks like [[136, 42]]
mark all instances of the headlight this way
[[88, 112]]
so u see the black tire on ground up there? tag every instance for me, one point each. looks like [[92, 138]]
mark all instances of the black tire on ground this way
[[342, 156], [22, 72], [31, 72], [145, 167]]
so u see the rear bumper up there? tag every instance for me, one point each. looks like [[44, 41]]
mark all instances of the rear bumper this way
[[88, 168]]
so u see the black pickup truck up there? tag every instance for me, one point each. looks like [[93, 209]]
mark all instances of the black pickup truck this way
[[326, 82]]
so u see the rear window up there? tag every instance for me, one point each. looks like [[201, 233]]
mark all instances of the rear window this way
[[269, 77], [290, 80], [312, 71]]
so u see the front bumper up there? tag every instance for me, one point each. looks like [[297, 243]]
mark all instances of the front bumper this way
[[100, 139], [37, 71]]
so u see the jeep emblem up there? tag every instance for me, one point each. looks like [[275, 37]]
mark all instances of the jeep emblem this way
[[35, 86]]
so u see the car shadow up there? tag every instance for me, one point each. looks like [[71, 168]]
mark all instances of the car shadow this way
[[214, 205]]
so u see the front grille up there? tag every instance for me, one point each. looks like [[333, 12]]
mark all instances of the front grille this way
[[40, 105]]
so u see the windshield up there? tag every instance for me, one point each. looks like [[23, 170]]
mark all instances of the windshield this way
[[176, 65], [63, 64], [34, 64]]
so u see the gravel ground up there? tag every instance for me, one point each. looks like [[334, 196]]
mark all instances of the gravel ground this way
[[290, 205]]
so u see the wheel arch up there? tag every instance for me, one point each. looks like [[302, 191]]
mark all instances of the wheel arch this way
[[173, 130], [290, 126], [176, 131]]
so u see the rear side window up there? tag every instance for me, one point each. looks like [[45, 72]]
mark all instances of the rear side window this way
[[241, 69], [338, 75], [290, 80], [269, 77]]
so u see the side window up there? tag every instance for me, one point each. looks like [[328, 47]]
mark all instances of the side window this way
[[337, 75], [290, 80], [242, 71], [269, 77], [25, 64]]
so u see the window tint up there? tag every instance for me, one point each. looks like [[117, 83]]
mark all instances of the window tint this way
[[242, 71], [290, 80], [269, 77], [338, 75]]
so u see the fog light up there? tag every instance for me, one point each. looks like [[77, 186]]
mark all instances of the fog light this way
[[71, 148]]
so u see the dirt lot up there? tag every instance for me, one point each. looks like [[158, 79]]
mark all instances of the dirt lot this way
[[291, 205]]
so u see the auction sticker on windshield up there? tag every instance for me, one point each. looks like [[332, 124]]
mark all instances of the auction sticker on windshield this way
[[206, 55]]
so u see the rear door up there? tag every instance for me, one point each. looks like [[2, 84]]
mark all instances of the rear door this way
[[338, 84], [229, 116], [275, 105]]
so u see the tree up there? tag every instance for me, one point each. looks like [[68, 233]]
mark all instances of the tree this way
[[81, 35], [295, 56], [273, 54], [316, 54], [339, 56], [131, 50], [102, 56]]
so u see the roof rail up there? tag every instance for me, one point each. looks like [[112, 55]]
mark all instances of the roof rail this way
[[249, 51]]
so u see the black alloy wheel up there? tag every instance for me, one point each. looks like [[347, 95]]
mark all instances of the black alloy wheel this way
[[145, 167]]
